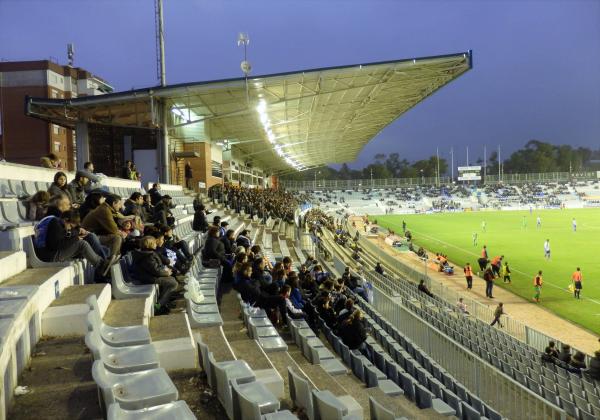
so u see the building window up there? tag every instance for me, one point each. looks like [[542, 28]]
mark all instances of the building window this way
[[55, 129]]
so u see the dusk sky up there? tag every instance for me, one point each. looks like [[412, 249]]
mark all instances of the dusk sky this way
[[536, 68]]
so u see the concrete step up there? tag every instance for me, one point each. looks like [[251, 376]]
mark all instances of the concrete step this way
[[172, 338], [60, 381], [67, 315], [12, 263], [127, 312]]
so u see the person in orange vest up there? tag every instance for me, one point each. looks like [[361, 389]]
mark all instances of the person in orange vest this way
[[496, 265], [577, 279], [484, 253], [469, 276], [537, 286]]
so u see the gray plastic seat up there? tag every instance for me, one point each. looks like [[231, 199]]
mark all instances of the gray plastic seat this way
[[32, 259], [280, 415], [5, 190], [272, 344], [301, 392], [425, 399], [134, 391], [122, 359], [202, 319], [29, 187], [379, 412], [328, 407], [175, 410], [375, 378], [115, 336], [122, 290], [251, 400], [11, 213], [468, 412], [223, 373], [16, 187]]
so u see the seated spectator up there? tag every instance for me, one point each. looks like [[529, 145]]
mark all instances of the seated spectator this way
[[355, 283], [162, 212], [243, 239], [346, 311], [594, 370], [77, 189], [353, 332], [49, 161], [324, 308], [423, 288], [379, 269], [59, 239], [147, 208], [169, 256], [578, 361], [552, 350], [295, 292], [213, 253], [154, 193], [223, 228], [59, 186], [252, 294], [179, 246], [565, 353], [292, 310], [147, 268], [133, 206], [228, 243], [101, 221], [36, 205], [260, 274], [93, 200], [239, 261], [461, 307], [200, 223], [90, 173]]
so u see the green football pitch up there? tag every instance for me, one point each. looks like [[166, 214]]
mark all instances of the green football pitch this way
[[515, 235]]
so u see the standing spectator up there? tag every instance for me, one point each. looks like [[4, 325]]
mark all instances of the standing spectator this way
[[537, 286], [77, 187], [461, 307], [577, 286], [126, 171], [155, 194], [228, 243], [200, 223], [188, 176], [148, 268], [497, 314], [488, 276], [379, 269], [469, 276], [36, 205], [101, 221], [59, 186]]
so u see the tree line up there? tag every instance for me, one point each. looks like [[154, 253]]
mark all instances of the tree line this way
[[536, 156]]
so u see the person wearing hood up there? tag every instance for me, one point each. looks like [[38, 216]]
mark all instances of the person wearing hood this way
[[148, 268]]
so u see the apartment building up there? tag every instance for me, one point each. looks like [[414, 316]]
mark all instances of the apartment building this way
[[25, 139]]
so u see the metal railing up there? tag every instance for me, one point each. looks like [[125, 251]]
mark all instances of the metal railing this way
[[420, 271], [501, 392]]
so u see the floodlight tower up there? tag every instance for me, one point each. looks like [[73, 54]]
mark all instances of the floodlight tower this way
[[71, 54], [245, 65], [163, 149]]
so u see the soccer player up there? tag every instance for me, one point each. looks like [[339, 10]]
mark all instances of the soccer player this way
[[468, 276], [574, 224], [538, 223], [524, 222], [547, 249], [474, 238], [577, 279], [537, 286], [483, 225]]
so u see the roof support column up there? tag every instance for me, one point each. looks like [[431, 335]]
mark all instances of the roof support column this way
[[82, 140], [163, 146]]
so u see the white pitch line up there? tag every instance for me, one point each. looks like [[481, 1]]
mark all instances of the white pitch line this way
[[512, 269]]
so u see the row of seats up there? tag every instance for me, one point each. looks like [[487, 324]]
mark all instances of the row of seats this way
[[260, 328]]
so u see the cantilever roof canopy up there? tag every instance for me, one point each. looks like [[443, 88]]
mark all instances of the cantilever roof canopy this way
[[290, 120]]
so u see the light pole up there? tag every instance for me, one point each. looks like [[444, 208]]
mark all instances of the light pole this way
[[371, 178], [422, 177]]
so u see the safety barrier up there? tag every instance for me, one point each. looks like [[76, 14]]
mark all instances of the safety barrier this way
[[497, 389]]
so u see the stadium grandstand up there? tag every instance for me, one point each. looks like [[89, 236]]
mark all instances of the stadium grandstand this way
[[242, 296]]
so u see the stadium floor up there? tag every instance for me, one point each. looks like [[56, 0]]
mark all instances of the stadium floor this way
[[517, 307]]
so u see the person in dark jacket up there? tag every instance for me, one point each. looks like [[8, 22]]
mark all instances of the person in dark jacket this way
[[126, 171], [423, 288], [188, 176], [228, 243], [36, 205], [148, 269], [59, 186], [251, 293], [551, 349], [213, 248], [379, 269], [565, 353], [102, 222], [578, 361], [243, 240], [62, 241], [76, 189], [353, 332], [155, 194], [162, 212], [133, 206], [200, 223], [594, 370]]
